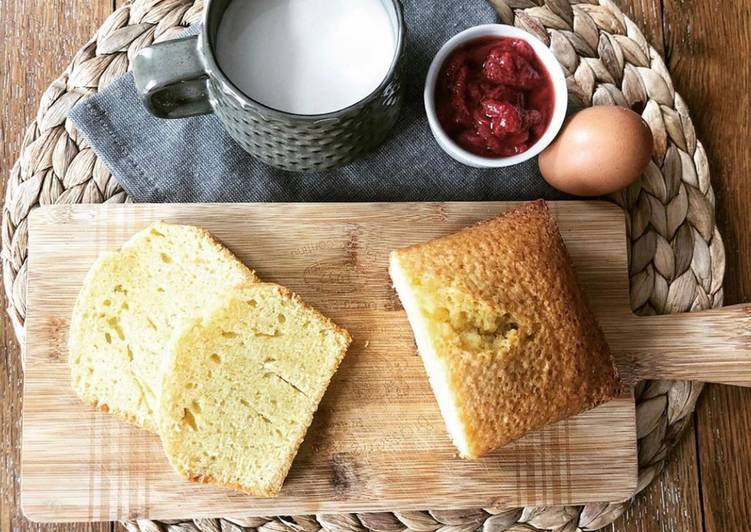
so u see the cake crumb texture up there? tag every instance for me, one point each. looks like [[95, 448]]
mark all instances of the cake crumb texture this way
[[241, 387], [131, 302], [506, 335]]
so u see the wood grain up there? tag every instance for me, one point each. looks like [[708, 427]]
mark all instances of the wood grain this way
[[378, 441], [672, 502], [648, 16], [714, 94], [706, 43], [37, 39], [709, 346], [724, 437]]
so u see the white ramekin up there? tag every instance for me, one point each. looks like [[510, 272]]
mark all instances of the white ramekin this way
[[549, 62]]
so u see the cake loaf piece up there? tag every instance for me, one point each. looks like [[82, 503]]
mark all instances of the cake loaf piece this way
[[241, 387], [131, 302], [506, 336]]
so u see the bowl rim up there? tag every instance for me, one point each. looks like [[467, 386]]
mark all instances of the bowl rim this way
[[549, 61]]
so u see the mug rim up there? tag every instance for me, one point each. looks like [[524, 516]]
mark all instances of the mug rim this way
[[213, 69]]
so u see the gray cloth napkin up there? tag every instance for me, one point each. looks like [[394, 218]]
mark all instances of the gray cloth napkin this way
[[194, 160]]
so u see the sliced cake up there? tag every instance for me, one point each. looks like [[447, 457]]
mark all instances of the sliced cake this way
[[506, 335], [131, 303], [242, 385]]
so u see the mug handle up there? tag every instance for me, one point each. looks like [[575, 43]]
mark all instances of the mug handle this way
[[171, 79]]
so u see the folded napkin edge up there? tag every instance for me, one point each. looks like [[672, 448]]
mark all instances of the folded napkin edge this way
[[81, 116]]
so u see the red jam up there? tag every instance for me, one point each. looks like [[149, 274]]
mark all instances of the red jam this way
[[494, 97]]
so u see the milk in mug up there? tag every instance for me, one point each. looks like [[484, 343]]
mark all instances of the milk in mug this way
[[306, 56]]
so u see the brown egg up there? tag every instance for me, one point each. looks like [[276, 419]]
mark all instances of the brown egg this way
[[598, 151]]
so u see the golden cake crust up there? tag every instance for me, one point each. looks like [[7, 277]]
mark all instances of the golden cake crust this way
[[510, 326]]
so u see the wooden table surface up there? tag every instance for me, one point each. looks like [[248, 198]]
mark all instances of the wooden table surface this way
[[707, 481]]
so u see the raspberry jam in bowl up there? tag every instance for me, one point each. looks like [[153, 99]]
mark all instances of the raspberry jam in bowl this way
[[495, 96]]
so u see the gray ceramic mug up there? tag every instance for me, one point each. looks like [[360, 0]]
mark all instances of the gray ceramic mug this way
[[181, 78]]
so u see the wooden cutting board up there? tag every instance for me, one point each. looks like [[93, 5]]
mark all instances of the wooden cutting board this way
[[378, 441]]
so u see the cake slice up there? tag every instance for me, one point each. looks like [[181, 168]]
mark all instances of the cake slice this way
[[504, 332], [242, 385], [131, 302]]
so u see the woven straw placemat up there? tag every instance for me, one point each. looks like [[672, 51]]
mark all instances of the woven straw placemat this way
[[677, 259]]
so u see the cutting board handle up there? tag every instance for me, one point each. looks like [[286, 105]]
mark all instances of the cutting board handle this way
[[709, 346]]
